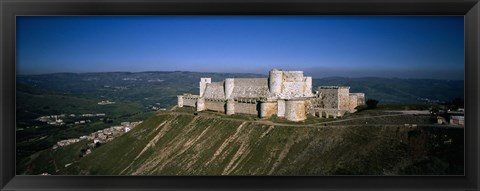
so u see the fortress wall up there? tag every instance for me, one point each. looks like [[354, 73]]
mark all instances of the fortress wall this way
[[250, 87], [330, 96], [295, 110], [246, 108], [360, 98], [292, 89], [215, 106], [263, 82], [353, 102], [189, 102], [267, 109], [249, 92], [344, 98], [293, 84]]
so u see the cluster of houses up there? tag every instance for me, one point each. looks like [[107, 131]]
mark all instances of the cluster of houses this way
[[52, 119], [101, 136], [58, 120], [105, 102]]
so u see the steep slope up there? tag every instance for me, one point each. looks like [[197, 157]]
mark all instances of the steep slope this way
[[185, 144]]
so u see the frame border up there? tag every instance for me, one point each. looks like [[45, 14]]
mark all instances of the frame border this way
[[11, 8]]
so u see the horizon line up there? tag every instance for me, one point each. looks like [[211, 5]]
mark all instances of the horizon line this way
[[171, 71]]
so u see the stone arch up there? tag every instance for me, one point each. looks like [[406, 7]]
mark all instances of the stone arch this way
[[324, 114]]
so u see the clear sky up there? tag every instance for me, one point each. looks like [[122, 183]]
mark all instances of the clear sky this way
[[322, 46]]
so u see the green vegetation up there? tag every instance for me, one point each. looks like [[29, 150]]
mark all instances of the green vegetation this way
[[185, 144], [33, 135], [52, 161]]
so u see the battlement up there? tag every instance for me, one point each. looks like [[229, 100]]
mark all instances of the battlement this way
[[333, 87]]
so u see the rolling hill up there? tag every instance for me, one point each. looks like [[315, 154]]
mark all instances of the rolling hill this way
[[148, 88]]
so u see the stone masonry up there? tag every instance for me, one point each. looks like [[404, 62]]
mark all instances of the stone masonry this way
[[285, 94]]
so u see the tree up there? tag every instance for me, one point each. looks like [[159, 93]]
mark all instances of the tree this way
[[372, 103]]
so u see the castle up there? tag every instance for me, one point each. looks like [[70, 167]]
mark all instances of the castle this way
[[286, 94]]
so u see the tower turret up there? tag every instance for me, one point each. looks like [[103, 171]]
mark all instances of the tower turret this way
[[228, 87], [203, 84], [275, 82]]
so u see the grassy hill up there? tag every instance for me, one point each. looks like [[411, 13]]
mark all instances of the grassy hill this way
[[33, 135], [175, 143]]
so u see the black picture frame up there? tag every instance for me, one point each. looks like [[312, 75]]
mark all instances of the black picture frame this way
[[9, 9]]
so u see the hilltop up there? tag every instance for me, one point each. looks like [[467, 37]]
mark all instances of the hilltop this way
[[180, 143]]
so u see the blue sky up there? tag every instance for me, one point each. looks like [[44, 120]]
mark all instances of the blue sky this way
[[322, 46]]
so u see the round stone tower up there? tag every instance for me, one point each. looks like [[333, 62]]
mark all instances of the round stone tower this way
[[180, 100], [295, 110], [200, 104], [275, 82], [228, 87], [230, 107]]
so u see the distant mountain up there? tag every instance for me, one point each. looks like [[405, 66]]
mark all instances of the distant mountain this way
[[162, 87], [396, 90], [146, 88]]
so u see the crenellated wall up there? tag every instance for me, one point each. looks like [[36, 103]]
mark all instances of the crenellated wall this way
[[189, 102]]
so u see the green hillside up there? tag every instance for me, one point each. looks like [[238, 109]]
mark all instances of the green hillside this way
[[175, 143], [32, 103]]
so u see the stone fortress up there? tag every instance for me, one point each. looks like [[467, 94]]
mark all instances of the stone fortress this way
[[286, 94]]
